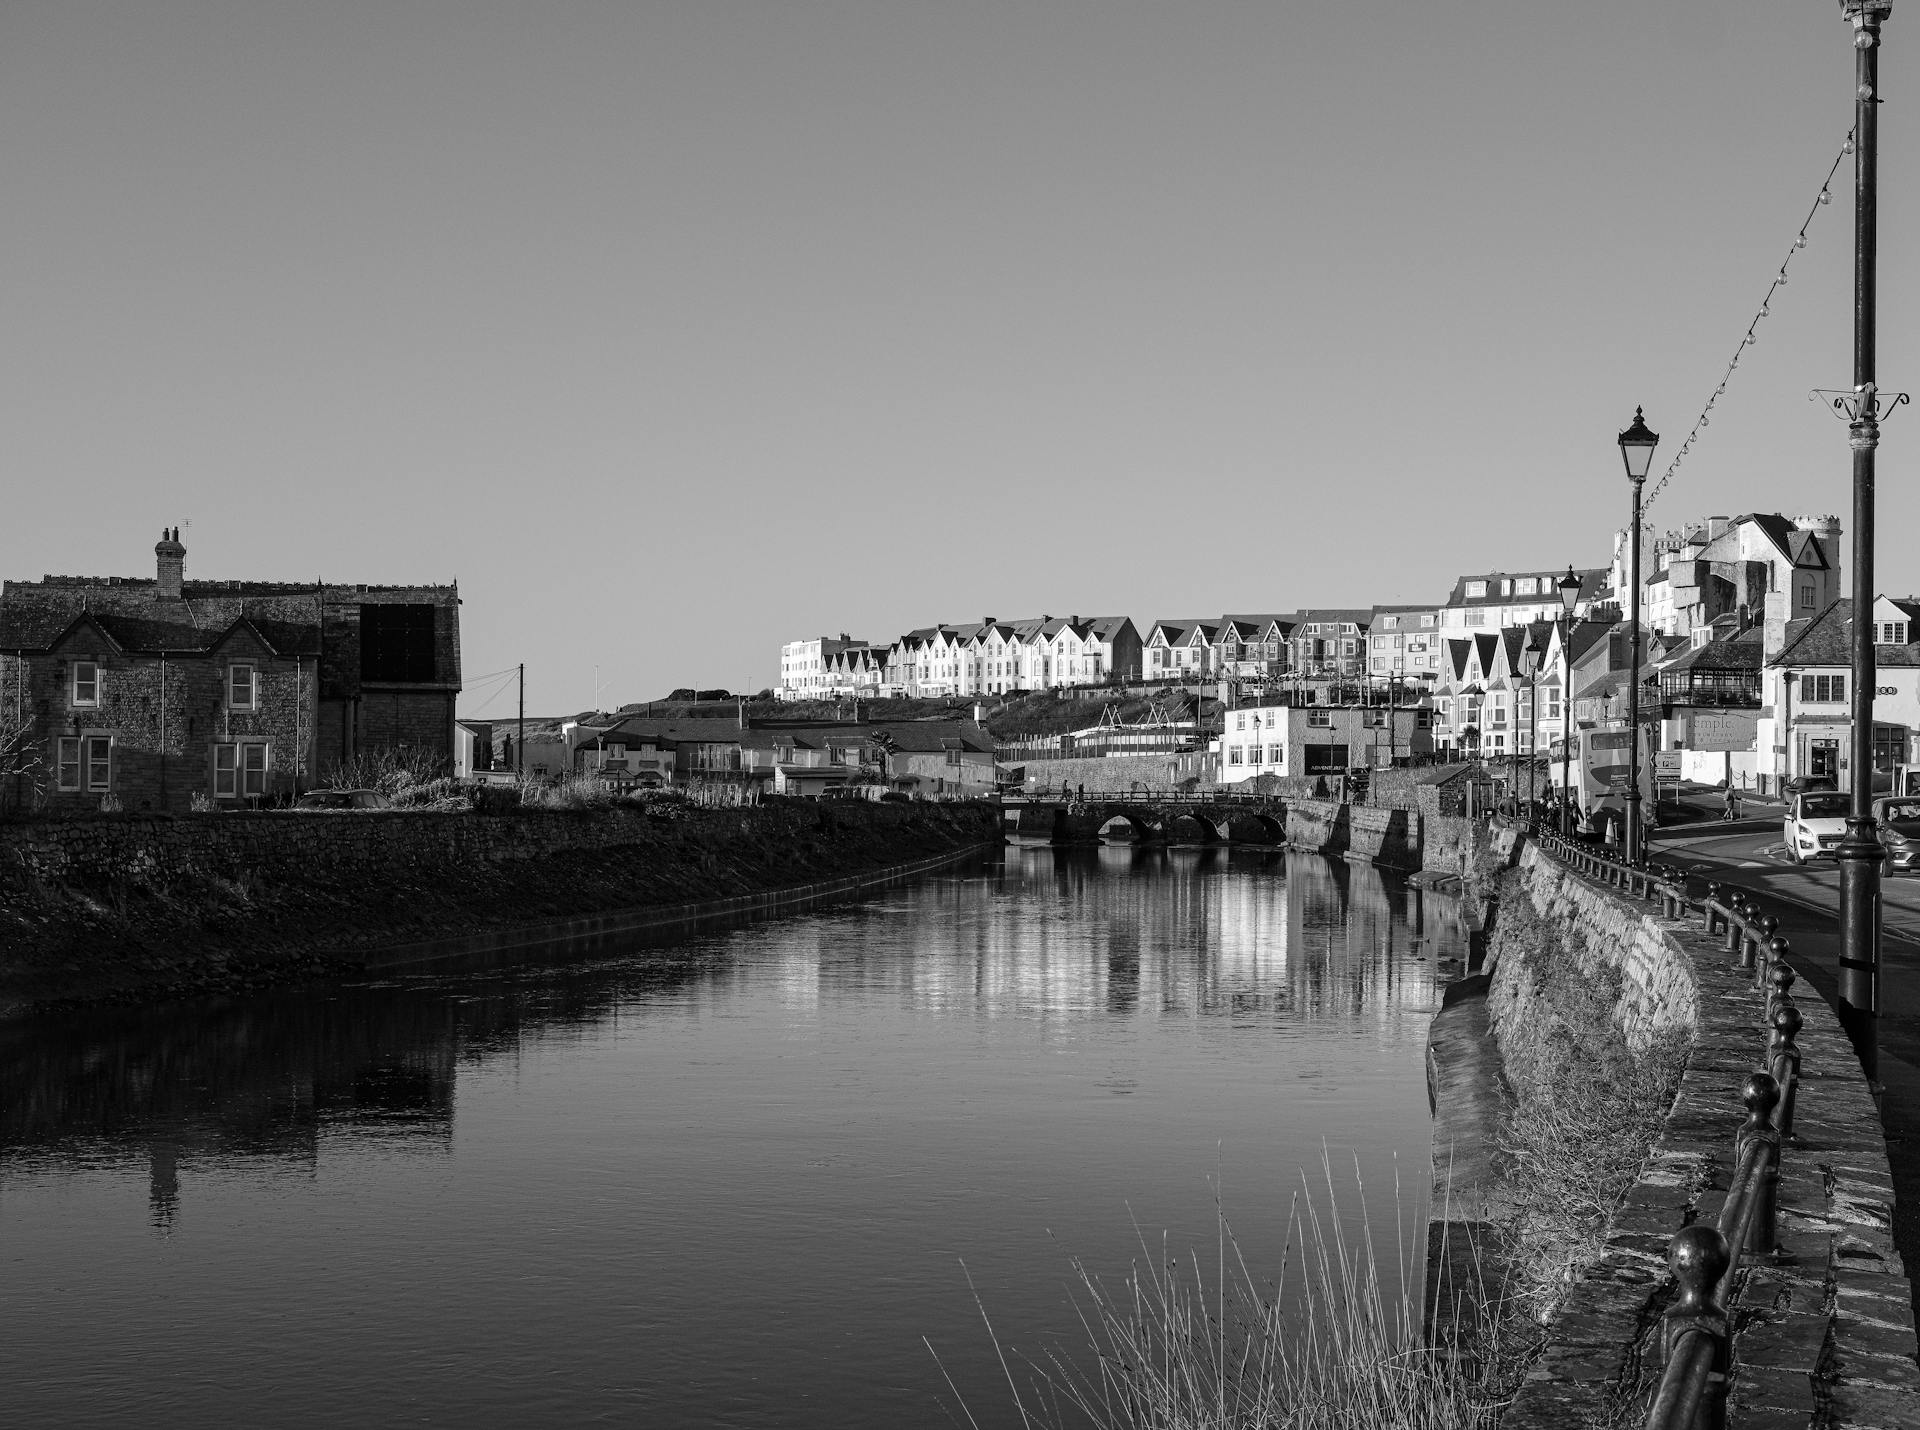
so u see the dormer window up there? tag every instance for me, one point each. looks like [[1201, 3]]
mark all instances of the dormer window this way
[[86, 684], [1890, 633], [1476, 588], [243, 689]]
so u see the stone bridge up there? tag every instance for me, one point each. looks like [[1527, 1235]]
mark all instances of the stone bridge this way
[[1392, 837]]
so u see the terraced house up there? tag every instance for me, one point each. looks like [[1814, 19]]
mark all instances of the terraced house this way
[[158, 692]]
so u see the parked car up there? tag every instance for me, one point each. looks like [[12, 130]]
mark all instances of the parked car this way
[[341, 799], [1804, 784], [1816, 821], [1897, 820]]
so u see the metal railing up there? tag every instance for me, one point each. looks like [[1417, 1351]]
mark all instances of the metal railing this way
[[1179, 797], [1696, 1333], [1647, 881]]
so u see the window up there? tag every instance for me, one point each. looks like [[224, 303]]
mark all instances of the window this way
[[396, 642], [1890, 633], [86, 682], [1476, 618], [1253, 754], [241, 688], [1476, 588], [69, 763], [1423, 719], [1889, 746], [226, 769], [1322, 718], [1269, 719], [1824, 689], [1234, 755], [99, 762], [1273, 754], [1806, 597], [1240, 720]]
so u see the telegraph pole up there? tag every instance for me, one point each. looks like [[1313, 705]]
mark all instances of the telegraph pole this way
[[520, 741], [1859, 852]]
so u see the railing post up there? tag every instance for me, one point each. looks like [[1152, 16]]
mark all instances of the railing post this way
[[1736, 924], [1761, 1094], [1783, 1062], [1698, 1256], [1710, 907], [1763, 950], [1782, 975]]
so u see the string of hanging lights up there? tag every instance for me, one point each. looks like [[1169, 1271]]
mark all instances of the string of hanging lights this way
[[1749, 338]]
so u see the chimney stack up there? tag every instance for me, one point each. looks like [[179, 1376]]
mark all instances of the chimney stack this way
[[171, 557]]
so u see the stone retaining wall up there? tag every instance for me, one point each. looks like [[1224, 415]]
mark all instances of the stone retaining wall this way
[[1824, 1330]]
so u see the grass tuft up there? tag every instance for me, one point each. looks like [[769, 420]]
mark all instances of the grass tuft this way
[[1178, 1345]]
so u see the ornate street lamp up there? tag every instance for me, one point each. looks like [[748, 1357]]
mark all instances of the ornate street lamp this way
[[1859, 852], [1636, 450], [1569, 588]]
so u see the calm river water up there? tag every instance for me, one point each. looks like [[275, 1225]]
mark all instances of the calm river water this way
[[727, 1182]]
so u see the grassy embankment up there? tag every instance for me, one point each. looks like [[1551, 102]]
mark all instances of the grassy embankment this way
[[148, 926]]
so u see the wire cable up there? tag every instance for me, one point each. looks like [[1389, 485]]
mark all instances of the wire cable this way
[[1748, 339]]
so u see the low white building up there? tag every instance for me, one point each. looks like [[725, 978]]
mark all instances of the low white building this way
[[1286, 740], [1806, 711]]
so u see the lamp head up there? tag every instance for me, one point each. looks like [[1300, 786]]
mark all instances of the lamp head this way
[[1569, 588], [1636, 447]]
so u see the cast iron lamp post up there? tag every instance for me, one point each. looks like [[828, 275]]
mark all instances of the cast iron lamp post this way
[[1569, 588], [1636, 449], [1859, 852]]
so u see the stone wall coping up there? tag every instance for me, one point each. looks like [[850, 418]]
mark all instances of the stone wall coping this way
[[1825, 1328]]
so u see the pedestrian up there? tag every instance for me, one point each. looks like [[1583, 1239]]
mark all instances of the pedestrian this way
[[1731, 811]]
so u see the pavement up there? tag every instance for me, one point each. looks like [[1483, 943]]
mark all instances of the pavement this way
[[1749, 854]]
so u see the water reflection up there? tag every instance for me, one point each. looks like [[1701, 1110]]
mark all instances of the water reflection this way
[[950, 1069]]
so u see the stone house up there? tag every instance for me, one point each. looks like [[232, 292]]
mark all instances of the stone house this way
[[156, 690]]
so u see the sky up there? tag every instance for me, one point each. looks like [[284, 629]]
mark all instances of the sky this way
[[675, 331]]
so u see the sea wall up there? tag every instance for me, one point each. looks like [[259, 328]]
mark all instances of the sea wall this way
[[1825, 1328], [127, 905]]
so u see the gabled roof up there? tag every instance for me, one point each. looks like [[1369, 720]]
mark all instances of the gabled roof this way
[[1458, 654], [1827, 640], [34, 618], [1485, 643]]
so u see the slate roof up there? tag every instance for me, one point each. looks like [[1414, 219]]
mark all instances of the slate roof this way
[[1335, 615], [285, 618], [1742, 652], [1826, 639], [1592, 582]]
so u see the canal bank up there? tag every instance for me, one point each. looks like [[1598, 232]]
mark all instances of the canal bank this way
[[1607, 1056], [135, 907]]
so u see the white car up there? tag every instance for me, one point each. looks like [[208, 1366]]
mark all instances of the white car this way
[[1816, 823]]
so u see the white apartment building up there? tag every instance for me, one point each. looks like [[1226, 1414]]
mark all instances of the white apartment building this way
[[804, 673], [1501, 599], [1403, 642]]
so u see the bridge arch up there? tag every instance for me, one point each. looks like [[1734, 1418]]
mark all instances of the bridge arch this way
[[1192, 826], [1137, 823], [1249, 827]]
